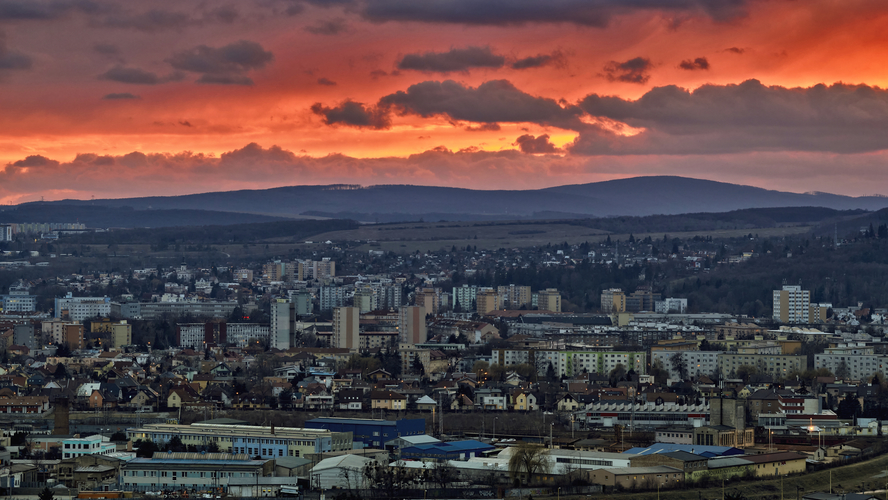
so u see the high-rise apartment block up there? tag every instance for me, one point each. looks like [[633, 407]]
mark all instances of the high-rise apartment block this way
[[514, 296], [791, 304], [346, 328], [549, 300], [412, 325], [613, 300], [486, 300]]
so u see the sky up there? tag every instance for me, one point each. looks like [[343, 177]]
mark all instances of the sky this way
[[112, 99]]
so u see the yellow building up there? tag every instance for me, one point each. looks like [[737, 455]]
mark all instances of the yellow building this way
[[486, 301], [613, 300], [549, 300]]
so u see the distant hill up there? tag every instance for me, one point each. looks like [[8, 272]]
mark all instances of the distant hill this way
[[107, 215], [639, 196]]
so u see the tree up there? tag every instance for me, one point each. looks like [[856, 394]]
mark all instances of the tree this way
[[849, 407], [60, 372], [527, 459], [417, 367], [146, 449], [46, 494], [679, 365]]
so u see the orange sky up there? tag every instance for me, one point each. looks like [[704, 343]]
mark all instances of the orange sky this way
[[58, 65]]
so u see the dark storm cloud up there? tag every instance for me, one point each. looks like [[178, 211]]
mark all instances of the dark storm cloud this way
[[107, 49], [516, 12], [452, 60], [330, 27], [36, 10], [698, 63], [740, 118], [151, 21], [491, 102], [138, 76], [225, 79], [631, 71], [326, 82], [12, 60], [735, 50], [120, 95], [353, 114], [224, 65], [529, 144], [538, 60], [486, 127], [36, 161]]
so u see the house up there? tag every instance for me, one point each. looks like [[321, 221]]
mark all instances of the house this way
[[426, 403], [387, 400], [524, 401], [351, 399], [462, 403], [567, 403], [631, 478]]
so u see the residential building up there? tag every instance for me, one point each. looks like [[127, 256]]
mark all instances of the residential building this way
[[200, 309], [570, 363], [549, 300], [346, 327], [671, 305], [791, 304], [613, 300], [852, 366], [18, 300], [283, 318], [412, 324], [486, 300], [464, 298], [777, 366], [515, 296], [90, 445], [81, 308], [5, 232], [429, 300], [331, 297], [693, 364]]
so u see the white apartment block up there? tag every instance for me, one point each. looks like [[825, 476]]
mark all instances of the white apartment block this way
[[465, 296], [81, 308], [331, 297], [572, 363], [778, 366], [697, 363], [671, 304], [854, 366]]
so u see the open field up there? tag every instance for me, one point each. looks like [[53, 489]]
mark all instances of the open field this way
[[410, 237]]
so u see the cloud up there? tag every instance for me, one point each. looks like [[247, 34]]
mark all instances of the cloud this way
[[237, 57], [37, 10], [107, 49], [518, 12], [138, 76], [698, 63], [329, 27], [121, 95], [353, 114], [735, 50], [224, 65], [491, 102], [631, 71], [716, 119], [225, 14], [376, 73], [486, 127], [452, 60], [36, 161], [539, 60], [529, 144], [326, 82], [152, 21], [225, 79], [11, 60]]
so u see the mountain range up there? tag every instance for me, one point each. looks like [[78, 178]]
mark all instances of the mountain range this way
[[638, 196]]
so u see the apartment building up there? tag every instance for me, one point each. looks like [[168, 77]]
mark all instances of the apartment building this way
[[777, 366], [613, 300], [696, 363], [571, 363], [81, 308], [791, 304], [346, 327], [486, 300], [464, 297], [515, 296], [412, 324], [549, 300], [331, 297]]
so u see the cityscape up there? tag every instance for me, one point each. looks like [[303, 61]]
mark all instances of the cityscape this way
[[448, 249]]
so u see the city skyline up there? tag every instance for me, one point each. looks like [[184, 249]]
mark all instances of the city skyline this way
[[111, 100]]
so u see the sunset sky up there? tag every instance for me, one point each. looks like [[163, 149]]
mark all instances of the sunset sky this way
[[120, 98]]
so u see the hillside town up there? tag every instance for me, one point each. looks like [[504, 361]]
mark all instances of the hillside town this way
[[292, 378]]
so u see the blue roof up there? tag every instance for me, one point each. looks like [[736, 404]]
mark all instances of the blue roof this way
[[446, 449], [703, 451]]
